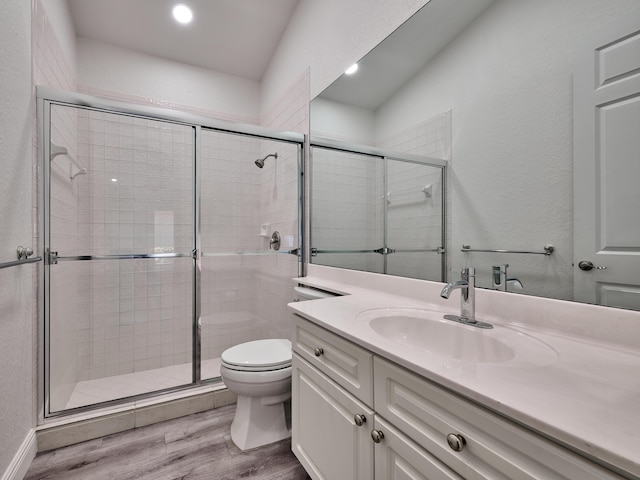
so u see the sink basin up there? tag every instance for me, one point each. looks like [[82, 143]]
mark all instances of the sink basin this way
[[428, 331]]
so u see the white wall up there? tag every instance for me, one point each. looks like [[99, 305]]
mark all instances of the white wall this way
[[326, 37], [508, 81], [16, 294], [106, 68], [343, 122]]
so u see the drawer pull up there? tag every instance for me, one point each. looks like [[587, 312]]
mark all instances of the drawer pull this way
[[318, 351], [377, 435], [359, 419], [456, 442]]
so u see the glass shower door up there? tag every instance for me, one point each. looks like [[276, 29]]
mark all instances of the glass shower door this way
[[249, 190], [415, 220], [119, 229], [347, 209]]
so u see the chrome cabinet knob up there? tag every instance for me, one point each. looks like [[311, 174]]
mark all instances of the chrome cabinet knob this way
[[318, 351], [456, 442], [359, 419], [377, 435], [586, 265]]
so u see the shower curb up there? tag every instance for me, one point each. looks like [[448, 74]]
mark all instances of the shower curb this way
[[71, 431]]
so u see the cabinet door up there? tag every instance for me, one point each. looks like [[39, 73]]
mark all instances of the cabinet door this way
[[325, 437], [398, 458]]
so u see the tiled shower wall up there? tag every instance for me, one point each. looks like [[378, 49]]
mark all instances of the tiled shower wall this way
[[346, 208], [279, 207], [415, 221], [50, 68], [134, 314], [229, 189], [64, 300]]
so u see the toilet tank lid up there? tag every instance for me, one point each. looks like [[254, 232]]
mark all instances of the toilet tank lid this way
[[259, 353]]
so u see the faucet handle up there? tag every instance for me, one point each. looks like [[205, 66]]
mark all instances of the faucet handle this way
[[467, 272]]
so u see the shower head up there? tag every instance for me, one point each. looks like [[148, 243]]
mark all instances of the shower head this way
[[260, 162]]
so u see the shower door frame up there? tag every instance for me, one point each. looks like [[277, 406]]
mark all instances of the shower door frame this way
[[385, 156], [47, 97]]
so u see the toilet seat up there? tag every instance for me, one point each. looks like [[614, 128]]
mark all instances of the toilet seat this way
[[258, 356]]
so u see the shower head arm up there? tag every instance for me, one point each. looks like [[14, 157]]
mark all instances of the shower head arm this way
[[260, 162]]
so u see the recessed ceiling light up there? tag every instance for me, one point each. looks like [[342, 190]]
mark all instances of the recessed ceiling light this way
[[352, 69], [182, 13]]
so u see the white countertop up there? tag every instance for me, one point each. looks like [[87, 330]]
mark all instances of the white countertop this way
[[586, 394]]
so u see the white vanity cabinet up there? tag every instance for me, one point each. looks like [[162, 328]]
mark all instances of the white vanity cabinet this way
[[325, 436], [412, 429], [490, 446], [331, 421]]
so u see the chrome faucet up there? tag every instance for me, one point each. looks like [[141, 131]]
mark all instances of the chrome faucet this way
[[467, 286], [499, 280]]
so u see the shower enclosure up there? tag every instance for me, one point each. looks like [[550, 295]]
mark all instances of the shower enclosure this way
[[156, 232], [377, 211]]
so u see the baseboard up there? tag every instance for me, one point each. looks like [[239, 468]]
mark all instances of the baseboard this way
[[22, 460]]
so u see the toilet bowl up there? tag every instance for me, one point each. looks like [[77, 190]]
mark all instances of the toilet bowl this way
[[259, 373]]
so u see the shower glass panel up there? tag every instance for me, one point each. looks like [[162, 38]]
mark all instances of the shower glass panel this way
[[120, 273], [347, 209], [414, 220], [377, 213], [246, 284]]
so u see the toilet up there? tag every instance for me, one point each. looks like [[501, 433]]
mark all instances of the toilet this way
[[259, 373]]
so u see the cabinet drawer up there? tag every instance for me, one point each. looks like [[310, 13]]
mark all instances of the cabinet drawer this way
[[495, 448], [342, 361], [325, 437]]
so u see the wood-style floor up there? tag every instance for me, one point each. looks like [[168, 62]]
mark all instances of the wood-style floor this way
[[194, 447]]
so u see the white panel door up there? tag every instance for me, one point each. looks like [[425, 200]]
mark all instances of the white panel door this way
[[607, 166]]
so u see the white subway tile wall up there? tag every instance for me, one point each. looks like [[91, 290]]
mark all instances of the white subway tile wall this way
[[280, 202]]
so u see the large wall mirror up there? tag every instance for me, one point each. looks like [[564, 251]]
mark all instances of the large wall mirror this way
[[533, 107]]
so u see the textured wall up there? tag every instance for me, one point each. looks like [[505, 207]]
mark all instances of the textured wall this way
[[103, 67], [16, 292], [508, 83]]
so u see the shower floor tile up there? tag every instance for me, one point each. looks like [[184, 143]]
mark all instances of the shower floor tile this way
[[89, 392]]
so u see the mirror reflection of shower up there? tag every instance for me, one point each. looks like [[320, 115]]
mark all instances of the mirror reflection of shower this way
[[260, 161]]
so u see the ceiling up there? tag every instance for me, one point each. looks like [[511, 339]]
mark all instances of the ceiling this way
[[236, 37], [405, 52]]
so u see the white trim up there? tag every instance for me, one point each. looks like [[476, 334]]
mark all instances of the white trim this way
[[22, 460]]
